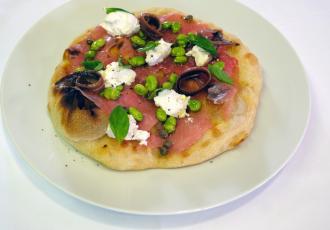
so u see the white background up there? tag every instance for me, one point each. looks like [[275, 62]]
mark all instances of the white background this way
[[297, 198]]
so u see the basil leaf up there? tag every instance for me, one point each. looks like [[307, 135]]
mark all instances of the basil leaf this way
[[93, 65], [216, 69], [203, 43], [119, 122], [149, 46], [114, 9]]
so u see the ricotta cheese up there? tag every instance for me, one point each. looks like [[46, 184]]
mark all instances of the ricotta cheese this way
[[133, 132], [121, 23], [159, 53], [201, 56], [115, 75], [173, 103]]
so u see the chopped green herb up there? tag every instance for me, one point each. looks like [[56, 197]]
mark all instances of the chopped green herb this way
[[119, 122], [149, 46], [93, 65], [216, 69]]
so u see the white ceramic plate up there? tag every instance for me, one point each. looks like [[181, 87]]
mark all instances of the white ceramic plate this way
[[281, 120]]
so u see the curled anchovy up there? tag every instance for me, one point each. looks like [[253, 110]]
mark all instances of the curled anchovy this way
[[151, 26], [217, 93], [193, 81]]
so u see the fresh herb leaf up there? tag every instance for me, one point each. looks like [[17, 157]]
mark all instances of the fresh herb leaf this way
[[203, 43], [114, 9], [93, 65], [149, 46], [119, 122], [216, 69]]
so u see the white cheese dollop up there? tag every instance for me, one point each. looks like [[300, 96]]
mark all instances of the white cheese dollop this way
[[173, 103], [115, 75], [201, 56], [133, 132], [121, 23], [159, 53]]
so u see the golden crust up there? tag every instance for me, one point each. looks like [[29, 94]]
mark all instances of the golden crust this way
[[84, 132]]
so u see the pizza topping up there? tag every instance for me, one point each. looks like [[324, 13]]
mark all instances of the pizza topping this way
[[121, 23], [149, 46], [216, 70], [136, 61], [203, 43], [193, 80], [202, 57], [170, 124], [151, 26], [132, 133], [135, 113], [194, 105], [112, 93], [93, 65], [174, 26], [173, 103], [159, 53], [217, 93], [188, 18], [85, 80], [218, 39], [115, 75]]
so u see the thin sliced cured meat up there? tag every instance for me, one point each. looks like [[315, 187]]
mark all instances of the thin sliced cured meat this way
[[128, 98], [190, 130]]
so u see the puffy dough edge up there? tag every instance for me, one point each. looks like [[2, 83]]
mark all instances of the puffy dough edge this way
[[225, 136]]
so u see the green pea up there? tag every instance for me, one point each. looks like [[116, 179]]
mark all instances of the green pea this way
[[136, 40], [167, 85], [176, 27], [135, 113], [166, 25], [98, 44], [120, 87], [161, 115], [169, 125], [79, 69], [173, 78], [111, 93], [140, 90], [90, 54], [137, 61], [182, 39], [151, 83], [178, 51], [194, 105], [180, 59]]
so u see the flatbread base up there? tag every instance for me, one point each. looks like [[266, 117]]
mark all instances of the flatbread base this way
[[130, 156]]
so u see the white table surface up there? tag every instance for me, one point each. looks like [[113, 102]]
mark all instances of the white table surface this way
[[297, 198]]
